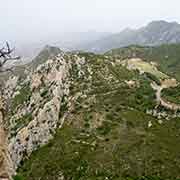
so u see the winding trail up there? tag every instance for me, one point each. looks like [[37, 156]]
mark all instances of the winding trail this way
[[160, 100]]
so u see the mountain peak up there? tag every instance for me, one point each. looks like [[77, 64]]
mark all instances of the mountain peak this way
[[153, 34], [50, 48], [161, 23], [158, 22], [46, 53]]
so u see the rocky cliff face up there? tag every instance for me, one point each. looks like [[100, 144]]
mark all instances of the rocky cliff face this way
[[36, 103]]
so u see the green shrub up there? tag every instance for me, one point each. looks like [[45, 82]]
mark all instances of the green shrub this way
[[23, 96], [18, 177]]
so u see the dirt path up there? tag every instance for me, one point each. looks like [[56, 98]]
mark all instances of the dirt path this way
[[160, 100]]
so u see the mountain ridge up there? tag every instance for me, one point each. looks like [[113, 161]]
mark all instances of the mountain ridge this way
[[155, 33], [90, 116]]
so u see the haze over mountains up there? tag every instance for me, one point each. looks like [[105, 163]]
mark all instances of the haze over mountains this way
[[66, 41], [155, 33], [80, 115]]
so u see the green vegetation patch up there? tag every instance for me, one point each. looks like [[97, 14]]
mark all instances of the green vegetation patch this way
[[106, 135], [148, 68], [128, 150], [22, 122], [172, 94], [23, 96], [166, 56]]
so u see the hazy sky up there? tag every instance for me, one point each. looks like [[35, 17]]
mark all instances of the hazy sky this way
[[32, 18]]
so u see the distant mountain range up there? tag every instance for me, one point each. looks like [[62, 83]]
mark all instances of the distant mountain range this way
[[66, 41], [155, 33]]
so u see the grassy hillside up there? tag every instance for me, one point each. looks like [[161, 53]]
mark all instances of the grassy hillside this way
[[167, 56], [107, 135], [172, 94]]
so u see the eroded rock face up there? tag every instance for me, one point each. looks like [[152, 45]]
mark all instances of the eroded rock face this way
[[35, 119], [6, 164]]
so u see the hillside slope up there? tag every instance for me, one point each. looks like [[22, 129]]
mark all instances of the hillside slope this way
[[87, 117], [166, 56]]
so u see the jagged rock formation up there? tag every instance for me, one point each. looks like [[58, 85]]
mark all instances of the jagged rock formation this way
[[35, 118], [6, 165]]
